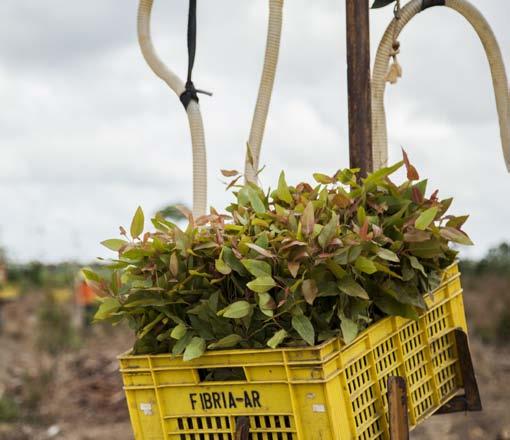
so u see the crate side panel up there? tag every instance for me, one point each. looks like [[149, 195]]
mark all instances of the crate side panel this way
[[144, 414]]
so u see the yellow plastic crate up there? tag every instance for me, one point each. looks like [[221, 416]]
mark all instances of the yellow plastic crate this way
[[328, 392]]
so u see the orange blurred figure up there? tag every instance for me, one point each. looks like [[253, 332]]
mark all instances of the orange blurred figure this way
[[85, 298], [84, 294]]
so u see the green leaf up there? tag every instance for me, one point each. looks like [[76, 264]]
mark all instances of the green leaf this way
[[277, 338], [304, 327], [329, 231], [388, 255], [196, 273], [283, 191], [347, 176], [322, 178], [445, 206], [261, 284], [114, 244], [194, 349], [257, 268], [226, 342], [222, 267], [336, 269], [426, 249], [366, 265], [181, 344], [107, 308], [178, 332], [90, 275], [349, 329], [352, 288], [229, 258], [392, 307], [405, 293], [361, 215], [151, 325], [255, 201], [308, 219], [236, 228], [266, 304], [457, 222], [378, 176], [415, 264], [146, 298], [237, 310], [137, 224], [310, 291], [426, 218], [385, 269]]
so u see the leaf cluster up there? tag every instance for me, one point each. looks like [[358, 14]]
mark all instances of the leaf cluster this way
[[290, 267]]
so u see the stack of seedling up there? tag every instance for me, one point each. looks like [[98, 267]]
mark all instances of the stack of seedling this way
[[294, 266]]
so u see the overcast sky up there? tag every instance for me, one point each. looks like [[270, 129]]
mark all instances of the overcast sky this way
[[88, 133]]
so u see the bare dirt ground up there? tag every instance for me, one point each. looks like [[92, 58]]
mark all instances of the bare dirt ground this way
[[80, 395]]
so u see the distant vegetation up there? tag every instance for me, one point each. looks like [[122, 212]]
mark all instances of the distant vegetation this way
[[487, 287], [497, 261], [39, 275]]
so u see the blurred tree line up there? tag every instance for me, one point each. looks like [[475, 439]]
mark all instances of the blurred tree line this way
[[497, 261], [38, 275]]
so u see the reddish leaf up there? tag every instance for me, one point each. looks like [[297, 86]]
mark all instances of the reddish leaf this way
[[294, 243], [310, 291], [308, 219], [341, 201], [231, 184], [363, 232], [416, 195], [293, 268], [414, 235], [229, 173], [260, 250], [412, 174], [456, 236]]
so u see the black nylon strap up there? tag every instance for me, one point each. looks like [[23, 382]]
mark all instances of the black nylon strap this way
[[191, 93], [430, 3]]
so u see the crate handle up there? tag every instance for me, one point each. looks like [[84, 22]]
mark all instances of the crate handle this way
[[221, 374]]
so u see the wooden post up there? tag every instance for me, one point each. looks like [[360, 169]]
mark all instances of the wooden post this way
[[397, 403], [242, 428], [470, 401], [359, 92]]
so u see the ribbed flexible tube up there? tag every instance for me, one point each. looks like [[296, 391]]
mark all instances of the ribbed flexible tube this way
[[493, 52], [194, 116], [265, 90]]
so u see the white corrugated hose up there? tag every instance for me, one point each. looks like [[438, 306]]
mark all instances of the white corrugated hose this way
[[490, 44], [265, 91], [194, 116]]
